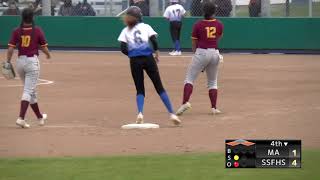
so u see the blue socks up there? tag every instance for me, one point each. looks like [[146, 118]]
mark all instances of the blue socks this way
[[166, 101], [177, 45], [140, 102], [164, 97]]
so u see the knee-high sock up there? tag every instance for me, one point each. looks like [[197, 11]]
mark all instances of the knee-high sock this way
[[177, 45], [23, 108], [187, 91], [140, 103], [36, 110], [213, 94], [166, 101]]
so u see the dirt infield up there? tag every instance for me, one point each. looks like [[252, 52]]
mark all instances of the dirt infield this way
[[88, 96]]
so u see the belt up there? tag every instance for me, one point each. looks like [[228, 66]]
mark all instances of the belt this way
[[28, 55], [208, 48]]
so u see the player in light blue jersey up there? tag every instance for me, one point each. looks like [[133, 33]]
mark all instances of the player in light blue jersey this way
[[134, 41], [174, 13]]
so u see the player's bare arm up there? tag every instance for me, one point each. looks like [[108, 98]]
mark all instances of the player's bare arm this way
[[10, 53], [194, 45], [45, 50], [156, 55]]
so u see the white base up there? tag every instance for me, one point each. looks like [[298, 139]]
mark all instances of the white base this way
[[140, 126]]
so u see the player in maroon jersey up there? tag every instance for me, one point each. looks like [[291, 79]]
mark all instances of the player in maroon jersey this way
[[205, 36], [28, 38]]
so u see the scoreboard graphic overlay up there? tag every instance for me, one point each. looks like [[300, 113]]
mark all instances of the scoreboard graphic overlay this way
[[263, 153]]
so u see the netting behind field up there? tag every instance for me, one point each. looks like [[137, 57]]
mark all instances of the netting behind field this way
[[262, 8], [65, 7], [225, 8]]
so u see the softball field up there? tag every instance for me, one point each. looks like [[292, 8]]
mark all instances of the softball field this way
[[89, 95]]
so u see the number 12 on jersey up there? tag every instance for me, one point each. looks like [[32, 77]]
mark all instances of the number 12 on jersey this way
[[211, 32]]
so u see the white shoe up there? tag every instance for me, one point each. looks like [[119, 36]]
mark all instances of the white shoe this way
[[183, 108], [43, 119], [172, 53], [220, 58], [139, 119], [216, 111], [175, 53], [178, 53], [22, 123], [175, 119]]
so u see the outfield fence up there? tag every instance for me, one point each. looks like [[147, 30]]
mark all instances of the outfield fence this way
[[240, 33], [155, 8]]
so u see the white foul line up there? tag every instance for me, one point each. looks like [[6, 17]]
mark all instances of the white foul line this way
[[41, 82], [69, 126], [54, 126]]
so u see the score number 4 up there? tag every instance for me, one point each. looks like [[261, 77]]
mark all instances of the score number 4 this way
[[294, 162]]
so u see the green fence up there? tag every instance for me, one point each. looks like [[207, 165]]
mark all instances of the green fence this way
[[240, 33]]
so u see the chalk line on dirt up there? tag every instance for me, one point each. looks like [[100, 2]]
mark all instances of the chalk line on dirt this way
[[41, 82]]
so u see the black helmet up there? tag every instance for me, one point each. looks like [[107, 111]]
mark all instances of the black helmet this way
[[27, 15], [208, 8], [135, 12]]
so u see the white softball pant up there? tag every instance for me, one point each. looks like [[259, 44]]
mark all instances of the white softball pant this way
[[204, 60], [28, 69]]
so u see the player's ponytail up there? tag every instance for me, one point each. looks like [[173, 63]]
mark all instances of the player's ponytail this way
[[27, 18], [33, 29], [20, 34], [21, 28]]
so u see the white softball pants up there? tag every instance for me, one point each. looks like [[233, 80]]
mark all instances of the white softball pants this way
[[28, 69], [204, 60]]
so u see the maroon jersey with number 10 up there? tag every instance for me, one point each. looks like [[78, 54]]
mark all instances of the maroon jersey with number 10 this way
[[28, 45], [208, 33]]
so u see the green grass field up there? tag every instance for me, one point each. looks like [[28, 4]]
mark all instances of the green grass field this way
[[151, 167]]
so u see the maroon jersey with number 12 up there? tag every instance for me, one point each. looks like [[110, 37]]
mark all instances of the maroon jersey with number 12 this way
[[208, 33], [28, 45]]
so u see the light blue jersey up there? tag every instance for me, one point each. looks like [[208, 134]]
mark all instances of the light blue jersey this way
[[137, 39]]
